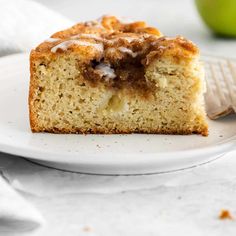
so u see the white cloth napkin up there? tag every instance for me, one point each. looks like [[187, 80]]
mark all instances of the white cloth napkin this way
[[16, 214], [25, 23]]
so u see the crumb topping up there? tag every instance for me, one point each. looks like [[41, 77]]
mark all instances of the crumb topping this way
[[118, 39], [116, 52]]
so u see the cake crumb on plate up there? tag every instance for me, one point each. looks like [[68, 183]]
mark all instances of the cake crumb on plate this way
[[225, 215]]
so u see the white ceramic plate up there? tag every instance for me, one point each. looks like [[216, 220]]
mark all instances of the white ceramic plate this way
[[100, 154]]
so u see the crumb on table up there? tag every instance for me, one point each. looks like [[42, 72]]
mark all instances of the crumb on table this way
[[87, 229], [225, 214]]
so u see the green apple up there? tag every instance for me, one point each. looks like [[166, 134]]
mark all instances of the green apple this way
[[219, 15]]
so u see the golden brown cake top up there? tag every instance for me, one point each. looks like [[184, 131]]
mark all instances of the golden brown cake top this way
[[111, 40]]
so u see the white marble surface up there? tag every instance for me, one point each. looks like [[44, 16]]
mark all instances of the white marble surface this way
[[182, 203]]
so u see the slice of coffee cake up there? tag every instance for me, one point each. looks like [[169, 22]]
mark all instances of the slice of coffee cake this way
[[108, 77]]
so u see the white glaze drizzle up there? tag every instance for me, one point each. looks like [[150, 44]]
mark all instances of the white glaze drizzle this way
[[95, 24], [66, 44], [127, 38], [87, 36], [106, 70], [51, 40], [128, 51], [161, 47]]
